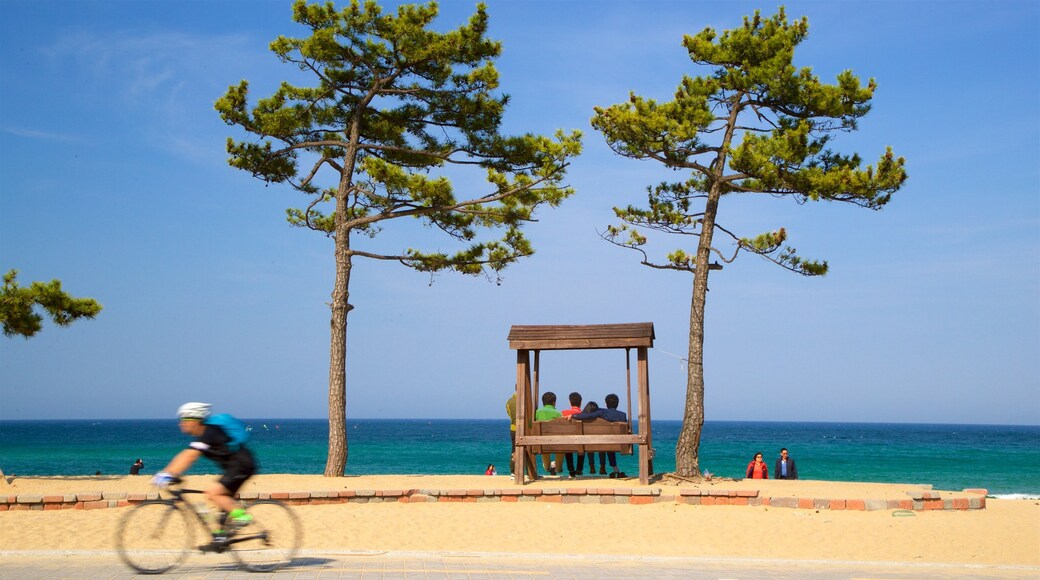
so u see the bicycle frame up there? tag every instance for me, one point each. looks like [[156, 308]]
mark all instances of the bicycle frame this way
[[178, 498]]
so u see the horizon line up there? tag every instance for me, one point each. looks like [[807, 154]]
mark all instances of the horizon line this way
[[429, 419]]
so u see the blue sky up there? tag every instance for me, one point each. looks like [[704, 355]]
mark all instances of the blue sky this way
[[113, 179]]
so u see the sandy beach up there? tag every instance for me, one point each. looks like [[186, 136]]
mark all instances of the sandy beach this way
[[1006, 532]]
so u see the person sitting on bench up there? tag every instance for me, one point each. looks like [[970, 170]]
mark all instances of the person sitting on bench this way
[[611, 414], [548, 412]]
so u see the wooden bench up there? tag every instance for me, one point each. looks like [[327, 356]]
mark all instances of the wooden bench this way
[[593, 437], [568, 429]]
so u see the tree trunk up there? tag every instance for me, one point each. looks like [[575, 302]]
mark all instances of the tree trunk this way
[[687, 460], [336, 464], [687, 449]]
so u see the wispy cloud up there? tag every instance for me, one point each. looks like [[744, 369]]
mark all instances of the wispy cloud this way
[[161, 83], [45, 135], [143, 68]]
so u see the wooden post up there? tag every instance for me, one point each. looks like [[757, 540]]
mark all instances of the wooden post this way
[[646, 462], [523, 393], [537, 388], [628, 386]]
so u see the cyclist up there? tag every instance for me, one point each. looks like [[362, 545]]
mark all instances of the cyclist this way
[[211, 441]]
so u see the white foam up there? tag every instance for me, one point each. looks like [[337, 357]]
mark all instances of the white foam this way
[[1014, 496]]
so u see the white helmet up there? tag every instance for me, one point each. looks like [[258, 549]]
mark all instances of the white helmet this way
[[193, 411]]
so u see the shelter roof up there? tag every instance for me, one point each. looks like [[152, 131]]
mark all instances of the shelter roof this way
[[584, 336]]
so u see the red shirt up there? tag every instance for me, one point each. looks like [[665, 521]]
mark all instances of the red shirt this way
[[571, 411], [760, 473]]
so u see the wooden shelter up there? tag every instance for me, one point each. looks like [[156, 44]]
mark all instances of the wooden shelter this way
[[577, 437]]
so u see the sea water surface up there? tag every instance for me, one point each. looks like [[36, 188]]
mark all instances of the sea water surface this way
[[1003, 459]]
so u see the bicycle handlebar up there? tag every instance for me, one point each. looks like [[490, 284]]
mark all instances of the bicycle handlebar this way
[[174, 488]]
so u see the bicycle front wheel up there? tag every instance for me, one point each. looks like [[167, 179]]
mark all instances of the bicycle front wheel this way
[[154, 536], [271, 540]]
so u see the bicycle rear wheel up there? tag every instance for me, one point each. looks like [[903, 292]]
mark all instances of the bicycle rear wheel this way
[[271, 540], [154, 536]]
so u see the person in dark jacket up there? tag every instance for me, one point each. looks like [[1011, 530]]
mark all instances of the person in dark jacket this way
[[611, 414], [136, 467], [785, 467]]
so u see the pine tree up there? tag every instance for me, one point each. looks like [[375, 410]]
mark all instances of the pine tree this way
[[753, 124], [393, 102]]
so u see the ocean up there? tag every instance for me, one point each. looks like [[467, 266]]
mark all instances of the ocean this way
[[1003, 459]]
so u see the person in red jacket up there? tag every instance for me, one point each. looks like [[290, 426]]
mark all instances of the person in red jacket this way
[[757, 469]]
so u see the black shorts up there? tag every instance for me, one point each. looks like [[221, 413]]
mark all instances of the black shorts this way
[[233, 479]]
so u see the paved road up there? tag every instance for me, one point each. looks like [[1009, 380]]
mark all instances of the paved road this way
[[451, 566]]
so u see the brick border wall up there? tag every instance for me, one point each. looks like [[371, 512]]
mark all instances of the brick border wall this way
[[915, 501]]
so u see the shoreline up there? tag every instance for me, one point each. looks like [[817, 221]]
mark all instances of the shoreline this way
[[1003, 533]]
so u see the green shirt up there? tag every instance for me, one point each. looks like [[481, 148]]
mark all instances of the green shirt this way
[[547, 413]]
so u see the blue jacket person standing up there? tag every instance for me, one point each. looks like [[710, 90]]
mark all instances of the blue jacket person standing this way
[[785, 467]]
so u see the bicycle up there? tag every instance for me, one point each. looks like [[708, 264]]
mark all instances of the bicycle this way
[[158, 534]]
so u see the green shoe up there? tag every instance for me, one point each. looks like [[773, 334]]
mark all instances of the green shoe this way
[[239, 518]]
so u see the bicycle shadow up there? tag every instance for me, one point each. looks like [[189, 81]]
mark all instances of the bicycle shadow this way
[[298, 563]]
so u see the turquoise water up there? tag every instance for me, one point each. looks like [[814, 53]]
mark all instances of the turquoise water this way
[[1003, 459]]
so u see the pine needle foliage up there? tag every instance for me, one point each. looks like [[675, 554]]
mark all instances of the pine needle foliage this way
[[18, 306]]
